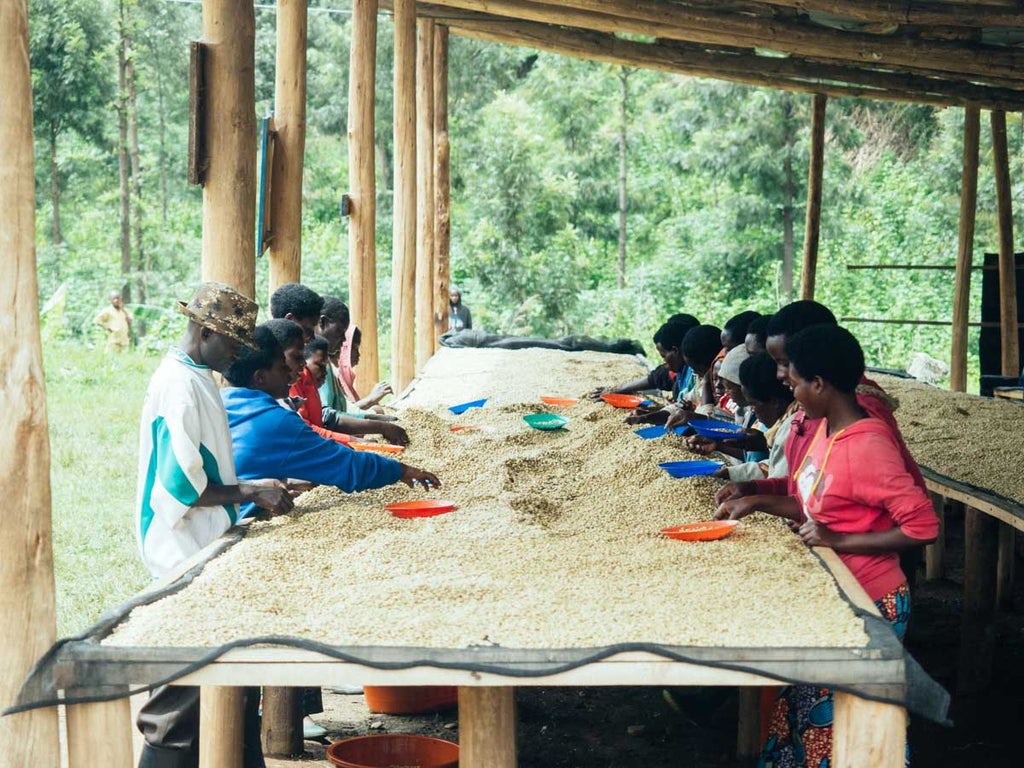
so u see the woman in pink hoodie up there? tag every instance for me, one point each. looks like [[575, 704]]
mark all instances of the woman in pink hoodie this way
[[849, 489]]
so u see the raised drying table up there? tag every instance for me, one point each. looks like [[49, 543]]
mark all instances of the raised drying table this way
[[875, 679]]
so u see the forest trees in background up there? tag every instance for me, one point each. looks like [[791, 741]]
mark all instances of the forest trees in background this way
[[547, 236]]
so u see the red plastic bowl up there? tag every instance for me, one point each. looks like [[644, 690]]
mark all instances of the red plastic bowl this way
[[422, 508], [410, 699], [714, 529], [384, 750], [622, 401]]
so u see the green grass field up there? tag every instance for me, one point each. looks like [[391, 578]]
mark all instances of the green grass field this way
[[94, 400]]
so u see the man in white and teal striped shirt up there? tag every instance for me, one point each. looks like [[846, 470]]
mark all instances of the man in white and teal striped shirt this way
[[189, 494]]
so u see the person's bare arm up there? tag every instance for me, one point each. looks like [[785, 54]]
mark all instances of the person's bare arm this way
[[622, 389], [870, 543], [269, 494], [786, 507]]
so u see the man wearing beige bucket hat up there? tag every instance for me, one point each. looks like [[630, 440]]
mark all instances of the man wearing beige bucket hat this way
[[188, 492]]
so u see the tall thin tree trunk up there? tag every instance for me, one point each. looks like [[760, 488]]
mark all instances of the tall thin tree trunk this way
[[122, 163], [54, 184], [623, 125], [162, 115], [141, 257], [789, 192], [385, 165]]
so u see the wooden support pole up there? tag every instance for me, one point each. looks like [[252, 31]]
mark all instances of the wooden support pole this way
[[867, 734], [748, 730], [229, 128], [424, 190], [977, 632], [403, 270], [100, 734], [362, 249], [282, 721], [1007, 263], [290, 144], [815, 170], [221, 726], [965, 250], [487, 727], [935, 553], [442, 185], [27, 598], [1005, 566]]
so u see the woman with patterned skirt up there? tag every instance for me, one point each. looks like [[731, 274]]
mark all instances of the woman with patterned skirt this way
[[850, 490]]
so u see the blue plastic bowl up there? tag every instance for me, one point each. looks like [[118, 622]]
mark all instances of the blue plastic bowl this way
[[463, 407], [690, 468], [716, 430], [649, 433]]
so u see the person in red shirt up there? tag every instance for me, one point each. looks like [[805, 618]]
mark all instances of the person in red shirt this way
[[848, 489]]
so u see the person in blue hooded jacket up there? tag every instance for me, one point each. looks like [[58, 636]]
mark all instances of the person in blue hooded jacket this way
[[268, 440]]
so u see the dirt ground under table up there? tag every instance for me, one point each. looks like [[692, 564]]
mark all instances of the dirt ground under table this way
[[652, 728]]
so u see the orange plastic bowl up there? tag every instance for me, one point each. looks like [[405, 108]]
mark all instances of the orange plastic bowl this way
[[465, 428], [422, 508], [385, 750], [376, 447], [562, 401], [622, 401], [715, 529], [410, 699]]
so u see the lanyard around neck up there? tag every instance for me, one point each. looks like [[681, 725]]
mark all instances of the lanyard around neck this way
[[828, 452]]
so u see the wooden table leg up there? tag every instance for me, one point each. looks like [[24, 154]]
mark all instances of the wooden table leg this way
[[748, 730], [977, 632], [282, 722], [1004, 569], [221, 726], [867, 734], [935, 554], [487, 727], [100, 734]]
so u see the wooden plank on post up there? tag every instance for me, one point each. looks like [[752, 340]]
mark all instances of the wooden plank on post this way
[[812, 227], [221, 726], [867, 734], [487, 727], [282, 721], [27, 599], [935, 553], [100, 734], [965, 250], [424, 191], [197, 159], [289, 145], [403, 270], [1007, 264], [362, 249], [229, 133], [977, 632], [442, 185]]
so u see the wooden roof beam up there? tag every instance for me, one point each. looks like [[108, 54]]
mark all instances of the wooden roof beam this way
[[656, 18], [769, 72], [952, 14]]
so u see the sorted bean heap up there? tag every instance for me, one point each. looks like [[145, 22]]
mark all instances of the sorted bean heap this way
[[952, 432], [555, 544]]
